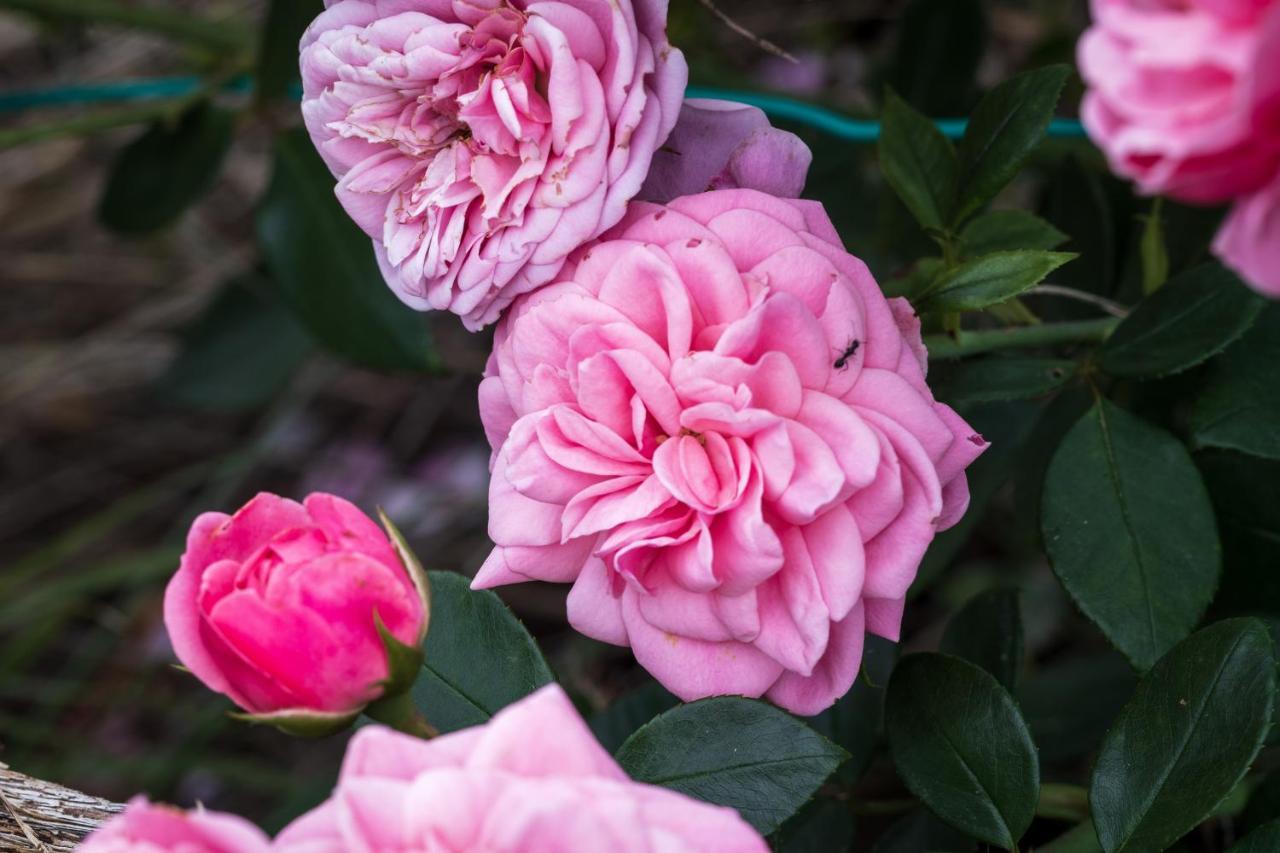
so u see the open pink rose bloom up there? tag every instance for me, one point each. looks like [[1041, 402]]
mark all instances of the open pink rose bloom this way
[[718, 430], [274, 606], [1184, 98], [145, 827], [531, 780], [479, 142]]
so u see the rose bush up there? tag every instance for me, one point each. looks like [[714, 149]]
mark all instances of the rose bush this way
[[1184, 98], [145, 827], [533, 779], [479, 142], [717, 428], [277, 606]]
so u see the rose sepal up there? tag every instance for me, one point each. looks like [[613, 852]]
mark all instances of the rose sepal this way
[[417, 575], [302, 722]]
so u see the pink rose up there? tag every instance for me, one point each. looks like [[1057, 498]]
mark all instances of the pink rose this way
[[1184, 95], [722, 145], [532, 780], [145, 827], [275, 606], [479, 142], [1249, 241], [719, 430]]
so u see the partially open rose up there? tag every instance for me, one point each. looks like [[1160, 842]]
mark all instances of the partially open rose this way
[[479, 142], [145, 827], [717, 428]]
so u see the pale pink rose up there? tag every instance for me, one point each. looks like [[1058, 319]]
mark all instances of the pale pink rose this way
[[722, 145], [531, 780], [717, 428], [1184, 95], [479, 142], [1249, 241], [145, 827], [274, 606]]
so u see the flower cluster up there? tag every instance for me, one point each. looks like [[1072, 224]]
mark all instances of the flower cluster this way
[[1184, 98]]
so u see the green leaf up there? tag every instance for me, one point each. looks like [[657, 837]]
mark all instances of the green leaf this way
[[1008, 230], [991, 279], [240, 353], [1130, 531], [1004, 128], [988, 632], [918, 162], [1264, 839], [166, 170], [1184, 740], [960, 745], [628, 712], [1155, 257], [278, 49], [1240, 406], [822, 826], [1070, 704], [939, 47], [1193, 317], [479, 658], [733, 752], [993, 379], [325, 268]]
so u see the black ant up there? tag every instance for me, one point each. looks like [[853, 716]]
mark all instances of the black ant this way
[[843, 361]]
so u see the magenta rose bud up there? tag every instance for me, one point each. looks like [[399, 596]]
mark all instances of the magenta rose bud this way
[[279, 606], [718, 430], [722, 145], [531, 780], [1184, 97], [152, 828], [479, 142]]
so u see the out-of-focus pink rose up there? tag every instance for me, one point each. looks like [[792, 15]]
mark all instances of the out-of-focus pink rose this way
[[1184, 95], [719, 430], [145, 827], [479, 142], [531, 780], [274, 606], [721, 145], [1249, 241]]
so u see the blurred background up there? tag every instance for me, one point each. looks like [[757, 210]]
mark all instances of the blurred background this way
[[150, 370]]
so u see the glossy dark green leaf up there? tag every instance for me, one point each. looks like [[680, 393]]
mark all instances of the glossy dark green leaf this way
[[1245, 492], [1184, 740], [1130, 531], [240, 353], [166, 170], [325, 268], [1009, 230], [1240, 406], [960, 744], [278, 49], [1191, 318], [995, 378], [1070, 704], [734, 752], [918, 162], [1005, 126], [630, 711], [856, 721], [935, 62], [991, 279], [823, 826], [1264, 839], [988, 632], [479, 658], [921, 831]]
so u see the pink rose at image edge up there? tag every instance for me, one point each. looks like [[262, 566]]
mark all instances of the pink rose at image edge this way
[[473, 183], [718, 430], [146, 826], [533, 779], [1249, 241], [719, 145], [274, 606]]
